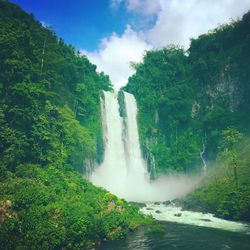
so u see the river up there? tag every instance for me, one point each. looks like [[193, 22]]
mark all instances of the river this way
[[184, 230], [178, 236]]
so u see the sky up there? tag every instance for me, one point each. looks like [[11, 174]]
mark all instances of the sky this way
[[114, 33]]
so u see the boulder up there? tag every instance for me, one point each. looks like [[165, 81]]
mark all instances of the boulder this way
[[157, 203], [178, 214], [167, 203], [177, 202]]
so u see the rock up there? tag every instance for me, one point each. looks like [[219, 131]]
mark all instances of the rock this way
[[158, 211], [167, 203], [177, 202], [208, 220], [157, 203], [178, 214], [149, 208]]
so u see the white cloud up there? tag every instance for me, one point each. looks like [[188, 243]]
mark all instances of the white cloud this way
[[116, 53], [176, 22], [144, 7], [114, 4]]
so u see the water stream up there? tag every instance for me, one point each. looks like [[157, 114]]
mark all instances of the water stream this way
[[181, 237]]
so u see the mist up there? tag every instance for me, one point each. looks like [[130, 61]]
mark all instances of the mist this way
[[162, 189], [144, 190]]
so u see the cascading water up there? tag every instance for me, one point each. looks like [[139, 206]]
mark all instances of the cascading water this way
[[135, 163], [112, 172], [123, 171], [123, 168]]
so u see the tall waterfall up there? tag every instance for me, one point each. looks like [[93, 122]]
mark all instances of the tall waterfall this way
[[135, 163], [123, 168], [123, 171]]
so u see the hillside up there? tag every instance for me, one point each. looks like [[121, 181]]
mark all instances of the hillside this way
[[50, 128]]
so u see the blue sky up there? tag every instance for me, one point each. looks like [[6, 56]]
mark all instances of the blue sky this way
[[114, 33], [79, 22]]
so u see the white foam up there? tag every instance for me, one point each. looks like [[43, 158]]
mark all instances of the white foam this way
[[170, 213]]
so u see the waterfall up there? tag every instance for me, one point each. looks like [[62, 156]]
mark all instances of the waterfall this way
[[123, 168], [112, 172], [135, 163], [123, 171]]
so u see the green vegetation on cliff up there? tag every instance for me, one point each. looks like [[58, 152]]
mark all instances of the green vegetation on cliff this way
[[49, 94], [225, 191], [188, 101], [50, 123]]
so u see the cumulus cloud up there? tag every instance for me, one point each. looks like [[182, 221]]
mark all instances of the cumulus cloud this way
[[176, 22], [116, 53], [114, 4], [144, 7]]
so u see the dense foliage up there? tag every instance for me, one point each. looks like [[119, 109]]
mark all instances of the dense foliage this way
[[49, 94], [52, 208], [225, 191], [49, 124], [186, 99]]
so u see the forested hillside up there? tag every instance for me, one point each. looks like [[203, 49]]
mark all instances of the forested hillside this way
[[50, 123], [49, 96], [186, 99], [194, 111]]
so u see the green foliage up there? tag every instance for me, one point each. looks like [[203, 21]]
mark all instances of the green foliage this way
[[58, 208], [226, 191], [186, 99], [162, 86], [50, 123], [49, 109], [196, 104]]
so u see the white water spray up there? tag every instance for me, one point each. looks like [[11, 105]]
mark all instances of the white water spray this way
[[123, 171]]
